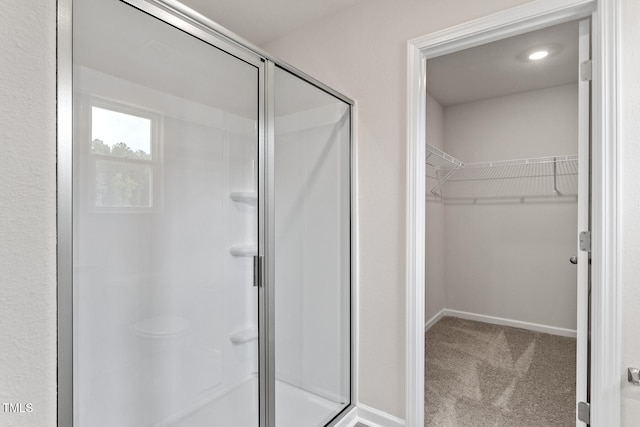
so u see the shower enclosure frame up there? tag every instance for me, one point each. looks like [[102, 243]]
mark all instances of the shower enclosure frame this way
[[176, 14]]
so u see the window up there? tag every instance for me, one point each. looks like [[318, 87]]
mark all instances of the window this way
[[124, 158]]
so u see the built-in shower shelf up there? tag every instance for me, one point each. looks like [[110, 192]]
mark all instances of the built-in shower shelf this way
[[243, 250], [244, 335], [247, 197]]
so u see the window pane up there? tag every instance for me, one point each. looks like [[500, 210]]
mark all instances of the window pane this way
[[119, 134], [122, 184]]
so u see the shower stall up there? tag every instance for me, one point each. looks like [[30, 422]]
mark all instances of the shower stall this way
[[204, 227]]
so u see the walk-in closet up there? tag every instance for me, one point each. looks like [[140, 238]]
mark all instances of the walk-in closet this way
[[502, 209]]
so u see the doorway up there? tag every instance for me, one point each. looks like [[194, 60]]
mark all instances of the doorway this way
[[605, 294], [504, 305]]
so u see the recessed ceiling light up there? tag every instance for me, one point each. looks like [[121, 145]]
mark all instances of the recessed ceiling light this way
[[538, 55]]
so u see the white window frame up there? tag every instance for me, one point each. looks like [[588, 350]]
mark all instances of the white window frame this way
[[93, 159]]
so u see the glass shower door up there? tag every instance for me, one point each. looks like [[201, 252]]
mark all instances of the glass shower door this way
[[312, 253], [165, 223]]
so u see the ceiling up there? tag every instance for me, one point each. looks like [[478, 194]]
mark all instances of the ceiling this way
[[487, 71], [491, 70], [502, 67], [261, 21], [119, 41]]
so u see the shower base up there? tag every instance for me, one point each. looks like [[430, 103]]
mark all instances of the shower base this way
[[239, 408]]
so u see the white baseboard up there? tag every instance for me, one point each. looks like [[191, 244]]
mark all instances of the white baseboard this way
[[553, 330], [434, 320], [375, 418]]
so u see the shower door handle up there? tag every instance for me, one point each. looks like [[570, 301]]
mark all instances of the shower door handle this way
[[258, 271], [573, 260]]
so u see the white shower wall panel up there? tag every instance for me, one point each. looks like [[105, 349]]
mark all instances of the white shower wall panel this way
[[167, 269], [310, 307]]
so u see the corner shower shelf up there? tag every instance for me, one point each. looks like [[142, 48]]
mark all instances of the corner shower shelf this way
[[244, 335], [243, 250], [247, 197], [548, 170]]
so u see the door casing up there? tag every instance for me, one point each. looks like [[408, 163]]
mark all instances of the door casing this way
[[605, 322]]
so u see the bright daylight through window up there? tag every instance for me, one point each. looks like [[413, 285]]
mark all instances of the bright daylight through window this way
[[123, 157]]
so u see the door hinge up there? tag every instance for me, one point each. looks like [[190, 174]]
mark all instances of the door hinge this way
[[584, 412], [585, 71], [585, 241], [258, 271]]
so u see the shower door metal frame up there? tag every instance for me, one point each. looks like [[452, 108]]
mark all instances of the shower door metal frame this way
[[181, 21], [271, 66], [183, 18]]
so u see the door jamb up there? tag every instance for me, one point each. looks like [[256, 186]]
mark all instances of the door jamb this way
[[605, 325]]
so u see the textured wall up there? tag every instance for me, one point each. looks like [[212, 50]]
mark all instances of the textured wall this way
[[27, 213]]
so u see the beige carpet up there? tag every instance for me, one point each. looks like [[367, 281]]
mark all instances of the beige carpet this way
[[483, 375]]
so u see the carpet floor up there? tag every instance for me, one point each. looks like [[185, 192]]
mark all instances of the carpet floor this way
[[483, 375]]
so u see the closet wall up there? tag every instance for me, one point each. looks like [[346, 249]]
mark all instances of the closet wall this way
[[506, 257], [435, 296]]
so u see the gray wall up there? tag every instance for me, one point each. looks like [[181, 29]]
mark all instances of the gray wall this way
[[362, 52], [629, 193], [435, 288], [504, 258]]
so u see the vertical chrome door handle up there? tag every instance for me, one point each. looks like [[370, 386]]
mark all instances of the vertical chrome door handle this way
[[258, 271]]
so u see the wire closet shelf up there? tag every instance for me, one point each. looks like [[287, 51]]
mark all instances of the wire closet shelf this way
[[519, 180]]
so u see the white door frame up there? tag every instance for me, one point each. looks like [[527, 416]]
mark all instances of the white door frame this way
[[606, 370]]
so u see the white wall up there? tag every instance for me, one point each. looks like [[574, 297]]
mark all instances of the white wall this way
[[630, 207], [28, 211], [360, 52], [530, 124], [506, 258], [434, 221]]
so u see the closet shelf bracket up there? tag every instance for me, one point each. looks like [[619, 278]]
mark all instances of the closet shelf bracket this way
[[445, 165]]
